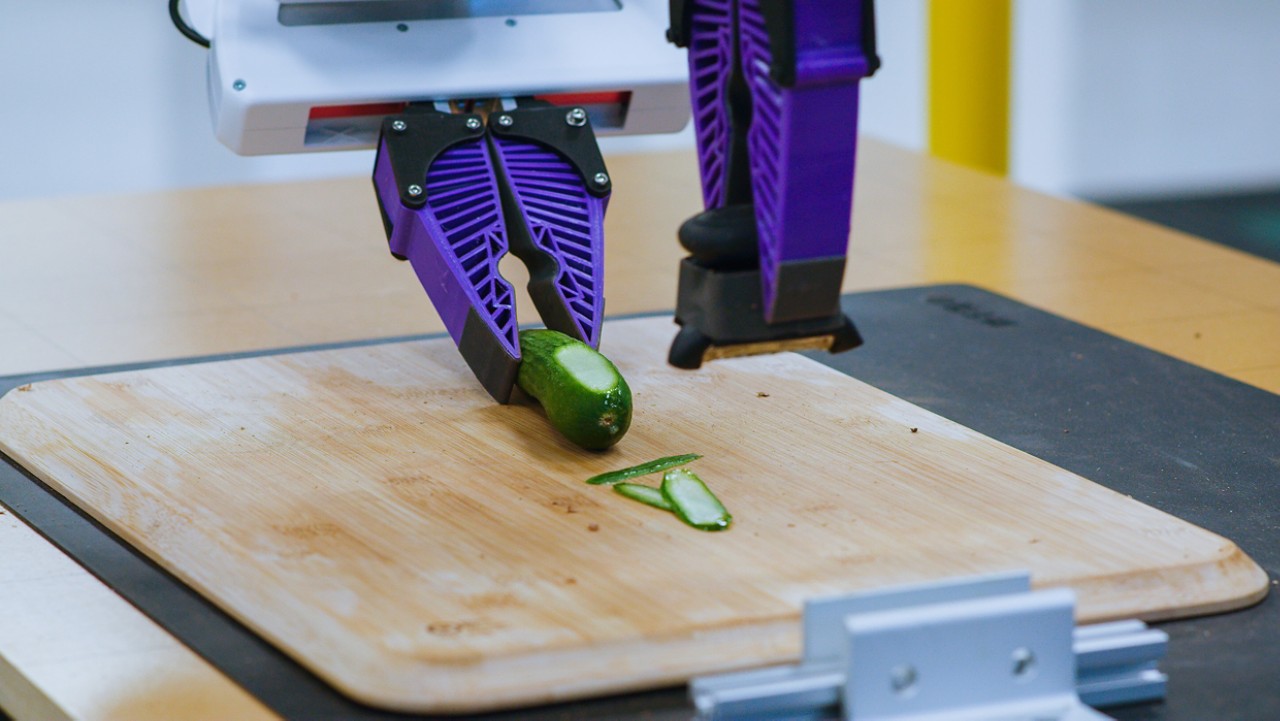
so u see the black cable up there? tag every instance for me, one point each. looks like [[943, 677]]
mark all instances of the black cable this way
[[182, 26]]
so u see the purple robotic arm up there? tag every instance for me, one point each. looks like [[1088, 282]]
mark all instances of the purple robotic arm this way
[[775, 95]]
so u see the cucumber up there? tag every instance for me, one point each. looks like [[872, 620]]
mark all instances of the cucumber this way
[[647, 495], [693, 502], [584, 395], [644, 469]]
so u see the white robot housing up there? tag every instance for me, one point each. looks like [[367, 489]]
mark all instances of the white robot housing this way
[[290, 76]]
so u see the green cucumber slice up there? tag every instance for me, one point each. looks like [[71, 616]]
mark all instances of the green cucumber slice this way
[[693, 502], [647, 495], [644, 469]]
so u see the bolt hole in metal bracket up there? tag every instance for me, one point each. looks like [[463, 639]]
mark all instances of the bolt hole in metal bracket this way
[[983, 648]]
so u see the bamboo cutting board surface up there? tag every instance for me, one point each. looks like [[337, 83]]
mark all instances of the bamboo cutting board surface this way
[[371, 512]]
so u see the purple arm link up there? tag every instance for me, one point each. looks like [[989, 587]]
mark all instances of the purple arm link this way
[[803, 139], [711, 57], [454, 243]]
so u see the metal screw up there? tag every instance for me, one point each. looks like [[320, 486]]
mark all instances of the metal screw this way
[[473, 123], [1024, 662], [398, 126], [414, 190], [238, 85], [576, 117], [600, 178], [402, 27], [511, 22], [903, 679], [505, 120]]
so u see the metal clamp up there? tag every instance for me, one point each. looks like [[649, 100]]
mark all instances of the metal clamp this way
[[971, 649]]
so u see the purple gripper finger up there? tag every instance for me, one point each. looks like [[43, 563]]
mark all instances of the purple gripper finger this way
[[564, 223], [802, 143], [454, 243], [711, 49]]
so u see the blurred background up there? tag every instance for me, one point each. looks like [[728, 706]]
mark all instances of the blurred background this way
[[1168, 109]]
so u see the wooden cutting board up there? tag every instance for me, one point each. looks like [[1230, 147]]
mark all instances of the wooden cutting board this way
[[374, 514]]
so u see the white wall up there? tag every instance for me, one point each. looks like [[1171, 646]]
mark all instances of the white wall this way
[[894, 100], [1111, 97], [108, 97], [1138, 97]]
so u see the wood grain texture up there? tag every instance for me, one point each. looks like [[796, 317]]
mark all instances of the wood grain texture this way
[[117, 279], [123, 278], [76, 650], [373, 513]]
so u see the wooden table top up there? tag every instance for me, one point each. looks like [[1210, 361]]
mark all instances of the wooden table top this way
[[105, 280]]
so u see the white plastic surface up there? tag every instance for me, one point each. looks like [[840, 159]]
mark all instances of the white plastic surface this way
[[822, 615], [986, 659], [285, 71]]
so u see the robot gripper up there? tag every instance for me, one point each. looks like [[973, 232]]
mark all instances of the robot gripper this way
[[774, 88], [458, 191]]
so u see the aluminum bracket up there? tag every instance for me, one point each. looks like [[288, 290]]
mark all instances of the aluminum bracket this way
[[978, 648]]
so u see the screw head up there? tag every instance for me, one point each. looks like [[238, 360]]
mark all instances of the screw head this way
[[600, 178], [903, 680], [1024, 663], [506, 120], [238, 85], [473, 123], [398, 126], [414, 190], [576, 117]]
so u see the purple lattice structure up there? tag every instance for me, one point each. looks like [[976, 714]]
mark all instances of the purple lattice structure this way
[[454, 243], [802, 139], [566, 224], [457, 195], [711, 52]]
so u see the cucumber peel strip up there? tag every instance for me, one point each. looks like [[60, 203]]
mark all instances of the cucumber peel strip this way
[[644, 469], [647, 495], [693, 502]]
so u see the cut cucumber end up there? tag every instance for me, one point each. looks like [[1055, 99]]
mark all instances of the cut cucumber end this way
[[586, 366], [584, 395]]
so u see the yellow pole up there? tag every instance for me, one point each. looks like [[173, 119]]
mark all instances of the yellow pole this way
[[969, 82]]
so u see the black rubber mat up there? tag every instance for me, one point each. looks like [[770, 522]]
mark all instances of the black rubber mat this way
[[1245, 221], [1177, 437]]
